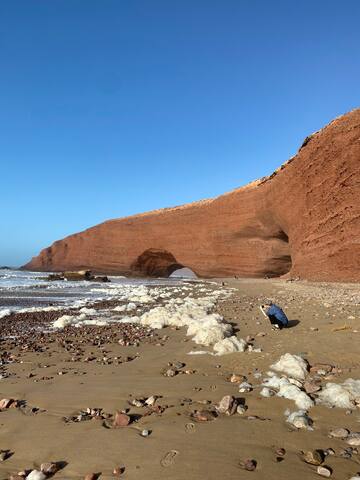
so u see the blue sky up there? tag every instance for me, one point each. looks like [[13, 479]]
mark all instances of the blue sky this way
[[113, 107]]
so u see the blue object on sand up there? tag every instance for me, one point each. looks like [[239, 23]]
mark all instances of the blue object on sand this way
[[277, 316]]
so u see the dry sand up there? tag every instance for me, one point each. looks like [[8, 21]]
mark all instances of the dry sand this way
[[209, 450]]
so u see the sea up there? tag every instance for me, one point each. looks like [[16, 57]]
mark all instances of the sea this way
[[21, 289]]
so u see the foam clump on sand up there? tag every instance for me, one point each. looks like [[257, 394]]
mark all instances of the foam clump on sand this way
[[223, 347], [78, 321], [291, 365], [287, 390], [204, 326], [345, 395], [290, 386], [299, 419], [5, 313], [125, 308], [230, 345]]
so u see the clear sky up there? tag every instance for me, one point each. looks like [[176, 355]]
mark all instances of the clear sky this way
[[113, 107]]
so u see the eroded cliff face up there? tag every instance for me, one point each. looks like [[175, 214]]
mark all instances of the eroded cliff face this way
[[303, 220]]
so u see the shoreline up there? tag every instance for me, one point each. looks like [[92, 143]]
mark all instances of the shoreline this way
[[76, 368]]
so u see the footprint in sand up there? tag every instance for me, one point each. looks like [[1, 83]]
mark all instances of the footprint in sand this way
[[190, 428], [169, 458], [213, 387]]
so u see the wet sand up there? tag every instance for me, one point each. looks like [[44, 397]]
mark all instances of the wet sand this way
[[93, 370]]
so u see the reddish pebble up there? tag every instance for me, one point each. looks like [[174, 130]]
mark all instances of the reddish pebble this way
[[249, 465], [118, 471], [121, 420], [91, 476]]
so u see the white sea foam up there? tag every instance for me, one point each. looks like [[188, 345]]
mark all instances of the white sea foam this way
[[6, 312], [344, 395]]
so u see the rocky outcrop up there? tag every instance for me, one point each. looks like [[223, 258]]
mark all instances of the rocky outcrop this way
[[303, 220]]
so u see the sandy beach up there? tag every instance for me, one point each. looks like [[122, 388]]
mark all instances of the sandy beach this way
[[54, 376]]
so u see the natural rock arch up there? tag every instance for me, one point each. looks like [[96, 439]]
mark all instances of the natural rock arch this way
[[156, 262]]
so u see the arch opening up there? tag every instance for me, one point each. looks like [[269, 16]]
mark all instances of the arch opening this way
[[280, 262], [155, 262]]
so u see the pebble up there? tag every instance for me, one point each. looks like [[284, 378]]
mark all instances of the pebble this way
[[4, 454], [280, 452], [324, 471], [179, 365], [145, 433], [90, 476], [5, 403], [237, 378], [249, 465], [118, 471], [171, 372], [339, 433], [313, 457], [353, 439], [311, 386], [245, 387], [227, 405], [49, 468], [329, 451], [121, 420], [321, 368], [241, 409], [36, 475]]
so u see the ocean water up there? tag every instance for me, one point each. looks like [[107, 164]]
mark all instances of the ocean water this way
[[22, 289]]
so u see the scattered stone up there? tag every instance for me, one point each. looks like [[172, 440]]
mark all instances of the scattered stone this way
[[353, 439], [329, 451], [237, 378], [171, 372], [121, 419], [249, 465], [280, 452], [241, 409], [4, 455], [313, 457], [300, 420], [49, 468], [324, 471], [151, 400], [321, 368], [145, 433], [91, 476], [245, 387], [227, 405], [179, 365], [118, 471], [5, 403], [312, 386], [339, 433]]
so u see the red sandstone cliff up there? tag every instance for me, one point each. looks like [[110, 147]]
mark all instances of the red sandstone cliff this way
[[303, 219]]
